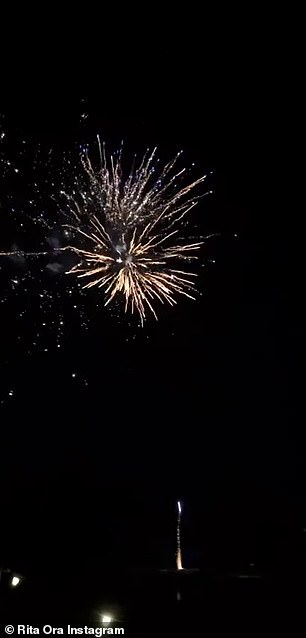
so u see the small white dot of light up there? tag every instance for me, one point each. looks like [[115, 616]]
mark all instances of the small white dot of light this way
[[73, 375], [61, 323], [58, 345], [106, 619], [15, 581], [46, 350], [11, 393]]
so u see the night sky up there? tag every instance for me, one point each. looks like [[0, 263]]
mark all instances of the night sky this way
[[104, 424]]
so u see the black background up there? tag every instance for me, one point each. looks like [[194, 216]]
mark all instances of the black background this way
[[205, 404]]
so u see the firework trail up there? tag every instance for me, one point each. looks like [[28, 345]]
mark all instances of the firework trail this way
[[124, 231], [179, 565]]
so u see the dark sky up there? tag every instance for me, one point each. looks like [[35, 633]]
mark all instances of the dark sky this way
[[203, 405]]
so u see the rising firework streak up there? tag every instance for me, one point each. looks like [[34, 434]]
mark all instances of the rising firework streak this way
[[179, 565]]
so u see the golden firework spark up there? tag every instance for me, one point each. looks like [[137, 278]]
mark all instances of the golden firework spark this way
[[125, 231]]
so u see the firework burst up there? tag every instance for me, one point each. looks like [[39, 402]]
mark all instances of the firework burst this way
[[125, 231]]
